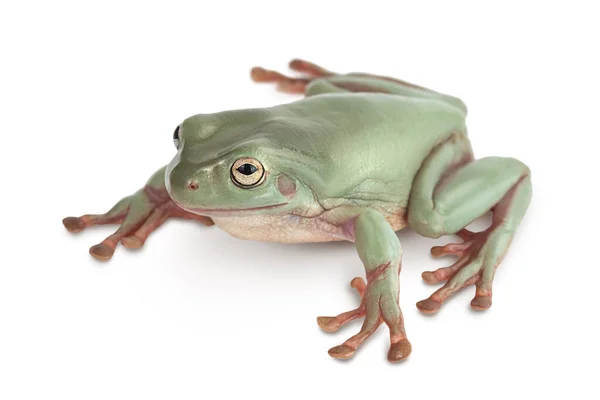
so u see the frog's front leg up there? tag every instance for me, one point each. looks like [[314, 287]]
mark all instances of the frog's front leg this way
[[379, 249], [451, 191], [138, 214]]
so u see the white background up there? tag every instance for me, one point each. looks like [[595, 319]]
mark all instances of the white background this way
[[90, 95]]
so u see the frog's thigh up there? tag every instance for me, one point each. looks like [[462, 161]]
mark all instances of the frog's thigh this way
[[444, 201]]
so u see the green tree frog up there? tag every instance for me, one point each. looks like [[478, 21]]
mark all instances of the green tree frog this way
[[358, 158]]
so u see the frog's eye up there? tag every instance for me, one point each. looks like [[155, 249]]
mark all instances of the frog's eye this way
[[247, 172], [176, 137]]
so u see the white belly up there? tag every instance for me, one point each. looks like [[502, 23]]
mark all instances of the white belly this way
[[280, 228]]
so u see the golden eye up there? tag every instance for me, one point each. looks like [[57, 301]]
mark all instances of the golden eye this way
[[247, 172]]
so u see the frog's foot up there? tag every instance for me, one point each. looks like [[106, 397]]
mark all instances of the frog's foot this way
[[289, 84], [478, 257], [283, 83], [378, 305], [139, 215]]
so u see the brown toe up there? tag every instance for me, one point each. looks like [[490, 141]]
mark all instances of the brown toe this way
[[308, 67], [73, 224], [430, 278], [102, 252], [437, 251], [399, 351], [259, 74], [481, 303], [360, 285], [342, 351], [132, 242], [429, 306], [328, 324]]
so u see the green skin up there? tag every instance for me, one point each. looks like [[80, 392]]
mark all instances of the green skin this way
[[359, 158]]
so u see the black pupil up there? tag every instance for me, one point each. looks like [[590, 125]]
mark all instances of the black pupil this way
[[247, 169], [176, 133]]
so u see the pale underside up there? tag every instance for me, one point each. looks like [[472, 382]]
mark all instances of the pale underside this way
[[289, 228]]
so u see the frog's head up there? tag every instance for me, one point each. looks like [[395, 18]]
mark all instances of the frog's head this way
[[230, 170]]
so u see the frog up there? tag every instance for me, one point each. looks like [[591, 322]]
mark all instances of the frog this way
[[358, 158]]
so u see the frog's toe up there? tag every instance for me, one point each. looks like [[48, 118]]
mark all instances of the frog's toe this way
[[359, 284], [102, 252], [481, 303], [310, 68], [333, 324], [328, 324], [259, 74], [399, 350], [283, 83], [343, 352], [452, 249], [444, 273], [429, 306], [73, 224], [132, 242]]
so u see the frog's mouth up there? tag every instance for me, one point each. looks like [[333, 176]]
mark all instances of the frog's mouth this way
[[207, 211]]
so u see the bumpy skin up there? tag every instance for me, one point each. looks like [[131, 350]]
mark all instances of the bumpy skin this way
[[362, 156]]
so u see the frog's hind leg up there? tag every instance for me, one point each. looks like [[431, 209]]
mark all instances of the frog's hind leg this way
[[449, 192], [318, 80], [289, 84]]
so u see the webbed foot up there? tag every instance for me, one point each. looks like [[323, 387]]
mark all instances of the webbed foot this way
[[378, 305], [139, 215], [289, 84], [478, 257]]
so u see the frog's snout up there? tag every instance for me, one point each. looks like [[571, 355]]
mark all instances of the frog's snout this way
[[184, 182]]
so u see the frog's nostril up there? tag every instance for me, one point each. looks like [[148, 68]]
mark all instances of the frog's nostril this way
[[193, 185]]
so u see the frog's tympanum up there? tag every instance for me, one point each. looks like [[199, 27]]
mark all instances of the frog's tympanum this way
[[359, 158]]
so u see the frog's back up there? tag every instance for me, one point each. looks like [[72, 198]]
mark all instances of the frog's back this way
[[369, 146]]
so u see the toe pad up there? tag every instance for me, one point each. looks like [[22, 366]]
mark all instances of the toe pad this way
[[132, 242], [399, 351], [429, 306], [328, 324], [342, 351], [481, 303], [73, 224], [102, 252]]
